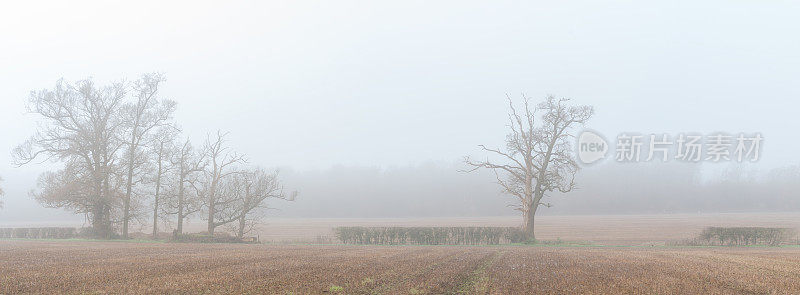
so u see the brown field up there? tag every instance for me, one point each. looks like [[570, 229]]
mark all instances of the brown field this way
[[119, 267], [47, 267]]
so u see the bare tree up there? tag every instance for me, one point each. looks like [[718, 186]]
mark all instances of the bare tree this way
[[539, 159], [221, 164], [163, 148], [184, 201], [251, 190], [80, 128], [142, 117]]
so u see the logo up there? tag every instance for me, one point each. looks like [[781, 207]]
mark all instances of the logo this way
[[686, 147], [592, 147]]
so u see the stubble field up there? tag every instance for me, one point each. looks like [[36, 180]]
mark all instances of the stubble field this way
[[118, 267]]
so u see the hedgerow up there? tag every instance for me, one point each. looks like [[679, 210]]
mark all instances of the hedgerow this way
[[429, 235]]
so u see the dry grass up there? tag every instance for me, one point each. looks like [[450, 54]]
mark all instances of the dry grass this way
[[103, 267]]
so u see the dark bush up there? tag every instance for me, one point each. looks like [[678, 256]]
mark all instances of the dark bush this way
[[429, 235]]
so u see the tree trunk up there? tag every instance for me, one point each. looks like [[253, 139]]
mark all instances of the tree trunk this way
[[125, 217], [211, 214], [212, 200], [127, 200], [180, 204], [155, 218], [240, 235], [105, 230], [100, 225], [158, 187], [530, 221], [127, 204], [97, 209]]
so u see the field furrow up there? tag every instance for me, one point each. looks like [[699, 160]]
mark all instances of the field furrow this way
[[40, 267]]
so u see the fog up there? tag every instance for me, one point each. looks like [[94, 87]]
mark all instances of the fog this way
[[368, 114], [439, 190]]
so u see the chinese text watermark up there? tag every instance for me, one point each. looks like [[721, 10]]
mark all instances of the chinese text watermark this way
[[686, 147]]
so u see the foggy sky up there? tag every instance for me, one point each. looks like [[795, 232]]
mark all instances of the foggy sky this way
[[316, 84]]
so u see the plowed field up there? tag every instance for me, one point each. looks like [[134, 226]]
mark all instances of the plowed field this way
[[117, 267]]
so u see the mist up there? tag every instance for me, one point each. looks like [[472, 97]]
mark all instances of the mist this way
[[444, 190], [335, 93], [399, 147]]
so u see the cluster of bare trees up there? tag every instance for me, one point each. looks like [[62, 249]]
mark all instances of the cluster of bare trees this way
[[122, 161], [538, 157]]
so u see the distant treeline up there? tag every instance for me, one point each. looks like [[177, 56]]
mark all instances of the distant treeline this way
[[429, 235], [440, 189]]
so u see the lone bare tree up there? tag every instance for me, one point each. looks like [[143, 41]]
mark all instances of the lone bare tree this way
[[143, 116], [538, 158], [221, 164], [251, 190], [80, 128]]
